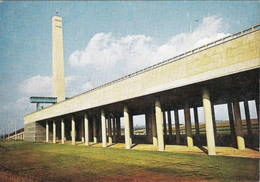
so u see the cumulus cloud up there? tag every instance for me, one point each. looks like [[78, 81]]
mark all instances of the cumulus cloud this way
[[37, 85], [105, 50]]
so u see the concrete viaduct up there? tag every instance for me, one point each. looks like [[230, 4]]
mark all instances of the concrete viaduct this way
[[224, 71]]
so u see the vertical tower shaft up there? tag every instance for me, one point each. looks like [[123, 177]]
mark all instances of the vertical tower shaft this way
[[58, 59]]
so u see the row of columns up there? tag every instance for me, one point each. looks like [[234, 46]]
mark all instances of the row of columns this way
[[18, 136], [156, 122]]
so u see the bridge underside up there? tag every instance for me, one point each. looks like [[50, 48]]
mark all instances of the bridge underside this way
[[103, 124]]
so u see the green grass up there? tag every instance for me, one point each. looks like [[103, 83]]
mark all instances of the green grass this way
[[56, 162]]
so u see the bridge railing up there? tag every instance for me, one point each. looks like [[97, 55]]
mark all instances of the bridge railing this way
[[180, 56]]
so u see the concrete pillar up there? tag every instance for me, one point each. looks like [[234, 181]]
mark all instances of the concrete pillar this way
[[209, 123], [154, 129], [170, 126], [47, 131], [197, 127], [248, 120], [214, 121], [164, 124], [188, 125], [177, 126], [159, 123], [150, 136], [58, 59], [257, 106], [231, 123], [110, 141], [62, 131], [146, 124], [86, 124], [103, 125], [73, 132], [238, 125], [82, 131], [118, 126], [114, 128], [127, 128], [94, 129], [131, 129], [54, 132]]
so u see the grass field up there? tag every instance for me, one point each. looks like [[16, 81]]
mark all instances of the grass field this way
[[27, 161]]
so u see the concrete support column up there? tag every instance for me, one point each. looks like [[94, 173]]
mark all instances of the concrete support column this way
[[127, 128], [197, 127], [238, 125], [164, 124], [118, 126], [54, 132], [110, 141], [73, 132], [209, 122], [82, 131], [188, 125], [62, 131], [94, 129], [131, 129], [154, 130], [257, 106], [146, 124], [170, 126], [150, 136], [114, 128], [159, 123], [231, 123], [47, 131], [177, 126], [86, 124], [214, 121], [248, 120], [103, 125]]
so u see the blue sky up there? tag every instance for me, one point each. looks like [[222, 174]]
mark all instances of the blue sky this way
[[102, 41]]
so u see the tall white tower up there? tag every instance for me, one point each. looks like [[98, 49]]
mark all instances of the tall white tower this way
[[58, 59]]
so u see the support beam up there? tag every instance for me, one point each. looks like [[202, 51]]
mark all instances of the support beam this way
[[118, 126], [154, 129], [86, 124], [94, 129], [131, 129], [170, 126], [177, 126], [231, 124], [164, 124], [110, 141], [82, 130], [248, 120], [114, 128], [188, 125], [238, 125], [73, 132], [127, 128], [208, 120], [150, 136], [214, 122], [54, 132], [47, 131], [159, 123], [103, 125], [197, 127], [62, 131]]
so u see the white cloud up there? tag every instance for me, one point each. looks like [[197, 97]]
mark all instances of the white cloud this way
[[105, 50], [37, 86]]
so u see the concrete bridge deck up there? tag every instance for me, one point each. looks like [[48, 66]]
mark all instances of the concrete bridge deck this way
[[223, 72]]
